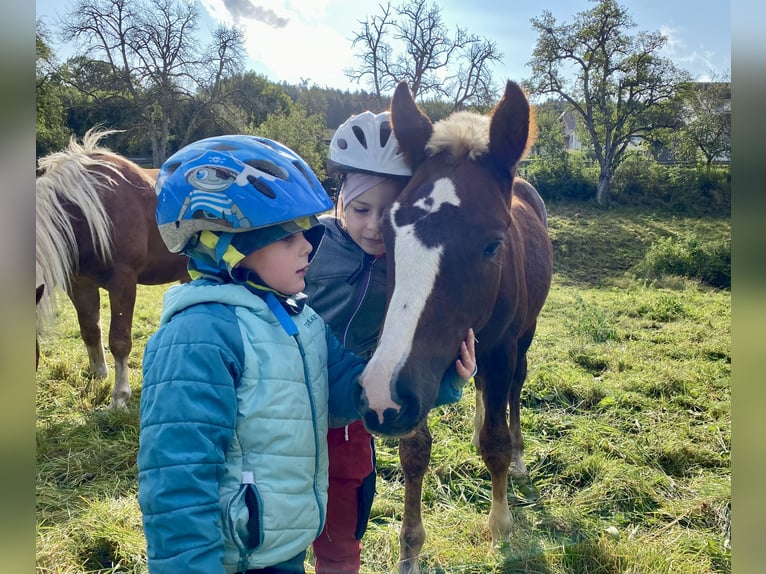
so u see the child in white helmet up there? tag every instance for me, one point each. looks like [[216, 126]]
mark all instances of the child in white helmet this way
[[241, 377], [346, 285]]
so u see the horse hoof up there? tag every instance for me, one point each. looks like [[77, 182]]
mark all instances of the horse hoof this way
[[525, 490], [409, 567], [100, 373], [120, 402]]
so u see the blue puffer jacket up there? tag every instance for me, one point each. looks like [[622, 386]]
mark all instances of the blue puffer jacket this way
[[234, 409]]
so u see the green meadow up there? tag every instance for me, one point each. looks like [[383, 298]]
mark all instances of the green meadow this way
[[625, 414]]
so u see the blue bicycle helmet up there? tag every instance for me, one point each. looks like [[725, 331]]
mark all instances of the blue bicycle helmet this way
[[233, 184]]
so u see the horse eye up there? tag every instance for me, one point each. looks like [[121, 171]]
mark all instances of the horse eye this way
[[491, 249]]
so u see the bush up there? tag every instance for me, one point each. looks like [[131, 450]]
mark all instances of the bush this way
[[687, 257], [641, 181], [566, 177]]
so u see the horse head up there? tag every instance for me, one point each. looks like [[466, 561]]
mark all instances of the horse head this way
[[450, 243]]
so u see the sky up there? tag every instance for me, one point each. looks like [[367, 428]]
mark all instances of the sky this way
[[311, 40]]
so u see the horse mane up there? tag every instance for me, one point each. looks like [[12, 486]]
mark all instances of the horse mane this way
[[74, 176], [462, 134]]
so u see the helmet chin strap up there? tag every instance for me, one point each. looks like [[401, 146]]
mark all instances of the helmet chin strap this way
[[281, 314], [292, 304]]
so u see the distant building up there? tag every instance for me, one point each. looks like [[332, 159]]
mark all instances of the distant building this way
[[571, 141]]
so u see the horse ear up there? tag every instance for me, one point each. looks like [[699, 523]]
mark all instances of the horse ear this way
[[512, 129], [411, 126]]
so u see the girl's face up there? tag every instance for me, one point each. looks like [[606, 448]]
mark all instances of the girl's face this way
[[282, 265], [363, 215]]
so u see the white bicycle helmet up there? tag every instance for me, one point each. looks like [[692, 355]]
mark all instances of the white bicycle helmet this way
[[366, 143]]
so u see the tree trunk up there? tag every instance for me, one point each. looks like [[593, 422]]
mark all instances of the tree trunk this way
[[604, 177]]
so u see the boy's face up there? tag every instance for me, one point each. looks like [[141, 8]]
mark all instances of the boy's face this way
[[282, 265], [363, 216]]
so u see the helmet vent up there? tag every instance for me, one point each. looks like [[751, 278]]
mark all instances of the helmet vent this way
[[261, 186], [302, 168], [360, 136], [385, 133], [171, 167], [269, 167]]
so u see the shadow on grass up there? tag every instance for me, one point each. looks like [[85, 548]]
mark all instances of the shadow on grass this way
[[592, 245]]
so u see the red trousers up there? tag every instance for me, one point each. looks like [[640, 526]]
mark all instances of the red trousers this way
[[349, 500]]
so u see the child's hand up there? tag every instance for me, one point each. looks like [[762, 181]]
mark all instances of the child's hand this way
[[466, 363]]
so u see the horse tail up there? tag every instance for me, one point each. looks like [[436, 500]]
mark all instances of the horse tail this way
[[76, 175]]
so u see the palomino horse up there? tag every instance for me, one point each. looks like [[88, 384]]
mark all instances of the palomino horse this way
[[468, 247], [96, 229]]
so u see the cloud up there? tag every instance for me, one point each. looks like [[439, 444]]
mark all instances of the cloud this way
[[240, 9], [291, 41]]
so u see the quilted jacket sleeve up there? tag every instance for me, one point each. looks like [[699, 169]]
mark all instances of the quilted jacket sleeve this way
[[451, 388], [343, 369], [188, 414]]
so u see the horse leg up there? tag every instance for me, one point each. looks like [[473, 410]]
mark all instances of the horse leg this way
[[495, 443], [122, 302], [518, 468], [478, 419], [86, 300], [414, 454]]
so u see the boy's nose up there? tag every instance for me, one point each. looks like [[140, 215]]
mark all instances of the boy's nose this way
[[308, 247]]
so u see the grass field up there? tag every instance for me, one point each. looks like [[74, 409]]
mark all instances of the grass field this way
[[626, 419]]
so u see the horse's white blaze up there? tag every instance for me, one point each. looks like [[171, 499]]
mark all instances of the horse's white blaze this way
[[417, 267]]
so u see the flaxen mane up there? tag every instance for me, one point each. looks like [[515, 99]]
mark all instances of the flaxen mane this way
[[463, 134], [69, 177]]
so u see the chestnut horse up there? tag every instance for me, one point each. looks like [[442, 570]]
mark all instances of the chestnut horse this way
[[468, 247], [96, 229]]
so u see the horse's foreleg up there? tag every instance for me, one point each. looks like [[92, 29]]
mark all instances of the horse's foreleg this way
[[122, 302], [478, 419], [414, 454], [86, 300], [518, 467], [495, 445]]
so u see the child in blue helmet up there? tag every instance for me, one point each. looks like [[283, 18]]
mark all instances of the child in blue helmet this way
[[346, 285], [241, 377]]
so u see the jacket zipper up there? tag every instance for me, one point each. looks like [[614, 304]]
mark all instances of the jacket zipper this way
[[368, 266]]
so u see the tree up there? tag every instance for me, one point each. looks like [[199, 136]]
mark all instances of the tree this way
[[615, 83], [707, 118], [153, 61], [50, 124], [301, 132], [429, 60]]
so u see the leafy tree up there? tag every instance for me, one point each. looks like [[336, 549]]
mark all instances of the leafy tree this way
[[428, 59], [617, 84], [300, 131], [152, 62], [707, 119], [50, 124], [557, 174], [247, 99]]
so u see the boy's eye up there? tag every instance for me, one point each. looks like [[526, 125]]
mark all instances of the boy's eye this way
[[293, 237], [360, 210]]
